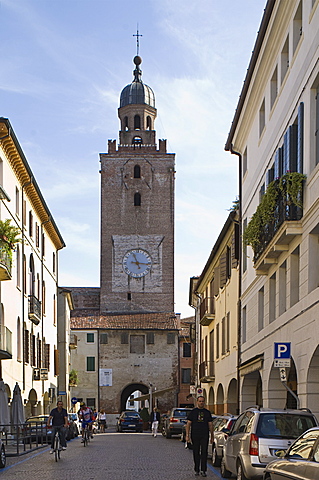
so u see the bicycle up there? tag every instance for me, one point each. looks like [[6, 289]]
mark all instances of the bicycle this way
[[57, 444], [86, 435]]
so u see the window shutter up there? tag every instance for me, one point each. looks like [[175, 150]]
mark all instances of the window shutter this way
[[216, 280], [223, 269], [235, 246], [124, 338], [103, 338], [56, 362], [26, 346], [300, 138], [150, 338], [47, 356]]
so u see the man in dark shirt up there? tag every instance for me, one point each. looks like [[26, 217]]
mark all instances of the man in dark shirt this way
[[199, 422], [59, 417]]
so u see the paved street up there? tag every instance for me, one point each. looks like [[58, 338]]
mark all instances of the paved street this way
[[116, 456]]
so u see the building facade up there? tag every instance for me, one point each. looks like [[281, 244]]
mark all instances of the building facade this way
[[131, 315], [29, 280], [275, 135]]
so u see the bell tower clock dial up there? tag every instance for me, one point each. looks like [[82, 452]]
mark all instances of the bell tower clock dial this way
[[137, 210]]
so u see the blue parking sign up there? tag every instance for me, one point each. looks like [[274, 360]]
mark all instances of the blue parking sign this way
[[282, 350]]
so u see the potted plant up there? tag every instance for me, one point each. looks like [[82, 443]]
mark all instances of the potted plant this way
[[73, 378], [9, 237]]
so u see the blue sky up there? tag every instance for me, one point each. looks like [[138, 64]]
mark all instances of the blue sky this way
[[63, 66]]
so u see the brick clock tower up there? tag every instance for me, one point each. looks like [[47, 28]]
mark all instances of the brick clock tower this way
[[137, 210]]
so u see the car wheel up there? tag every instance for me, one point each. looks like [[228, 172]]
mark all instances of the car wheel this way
[[223, 470], [215, 457], [168, 434], [2, 458], [164, 432], [240, 472]]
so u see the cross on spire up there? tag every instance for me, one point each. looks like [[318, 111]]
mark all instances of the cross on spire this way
[[137, 35]]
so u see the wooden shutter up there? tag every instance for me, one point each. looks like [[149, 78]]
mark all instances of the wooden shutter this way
[[56, 362], [300, 138], [235, 246], [223, 269]]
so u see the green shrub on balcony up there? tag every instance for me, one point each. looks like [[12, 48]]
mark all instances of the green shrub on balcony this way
[[289, 186], [9, 237]]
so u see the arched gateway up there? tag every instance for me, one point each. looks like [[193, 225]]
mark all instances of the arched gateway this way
[[133, 387]]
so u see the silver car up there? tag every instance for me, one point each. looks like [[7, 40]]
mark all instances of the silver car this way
[[215, 449], [300, 462], [257, 435]]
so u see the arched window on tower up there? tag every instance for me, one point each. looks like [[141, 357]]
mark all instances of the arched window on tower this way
[[125, 124], [137, 122], [137, 199], [137, 142], [148, 123], [137, 171]]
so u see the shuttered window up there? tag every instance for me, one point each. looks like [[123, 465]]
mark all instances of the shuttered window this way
[[90, 364], [137, 344], [150, 338], [124, 338], [103, 338]]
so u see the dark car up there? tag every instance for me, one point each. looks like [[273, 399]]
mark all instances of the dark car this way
[[300, 462], [35, 429], [174, 421], [129, 421]]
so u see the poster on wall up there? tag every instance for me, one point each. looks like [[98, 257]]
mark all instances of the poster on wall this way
[[105, 377]]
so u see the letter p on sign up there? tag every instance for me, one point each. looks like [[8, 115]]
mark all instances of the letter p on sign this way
[[282, 350]]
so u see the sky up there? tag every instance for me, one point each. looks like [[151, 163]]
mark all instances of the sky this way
[[63, 66]]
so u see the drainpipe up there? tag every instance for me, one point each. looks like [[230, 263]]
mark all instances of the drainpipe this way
[[41, 287], [24, 273], [239, 276]]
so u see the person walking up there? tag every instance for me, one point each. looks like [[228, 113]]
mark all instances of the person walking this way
[[102, 421], [155, 419], [199, 424], [59, 418]]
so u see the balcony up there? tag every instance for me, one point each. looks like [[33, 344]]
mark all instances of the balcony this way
[[276, 236], [5, 343], [207, 311], [5, 265], [207, 371], [34, 310], [73, 341]]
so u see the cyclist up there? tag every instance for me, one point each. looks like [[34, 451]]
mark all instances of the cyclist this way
[[87, 418], [59, 418]]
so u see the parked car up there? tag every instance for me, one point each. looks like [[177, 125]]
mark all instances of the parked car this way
[[215, 449], [300, 462], [183, 434], [129, 420], [73, 430], [3, 458], [174, 421], [257, 435], [35, 429]]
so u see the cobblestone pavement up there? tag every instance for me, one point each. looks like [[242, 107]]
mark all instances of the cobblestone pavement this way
[[110, 456]]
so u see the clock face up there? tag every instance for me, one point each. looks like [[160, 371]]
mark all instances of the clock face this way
[[137, 263]]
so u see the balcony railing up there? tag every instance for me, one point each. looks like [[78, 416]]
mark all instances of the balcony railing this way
[[5, 265], [207, 371], [73, 341], [5, 343], [284, 212], [34, 309], [207, 310]]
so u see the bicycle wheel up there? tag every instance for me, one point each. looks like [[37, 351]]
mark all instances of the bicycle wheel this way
[[85, 437], [56, 447]]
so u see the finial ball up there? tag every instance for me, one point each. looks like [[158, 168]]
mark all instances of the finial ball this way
[[137, 60]]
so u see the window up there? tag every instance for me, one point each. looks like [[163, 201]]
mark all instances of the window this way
[[90, 402], [150, 338], [124, 338], [47, 356], [137, 344], [137, 141], [217, 340], [148, 123], [90, 338], [228, 262], [228, 332], [171, 338], [297, 27], [30, 224], [137, 199], [261, 309], [37, 235], [244, 162], [284, 59], [294, 276], [262, 118], [244, 325], [125, 124], [282, 288], [186, 375], [26, 346], [187, 349], [137, 171], [272, 298], [137, 122], [19, 343], [90, 364], [274, 87], [103, 338], [17, 202], [211, 353], [223, 336]]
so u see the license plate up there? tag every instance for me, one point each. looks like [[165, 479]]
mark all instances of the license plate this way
[[132, 425]]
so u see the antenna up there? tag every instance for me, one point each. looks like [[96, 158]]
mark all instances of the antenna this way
[[137, 35]]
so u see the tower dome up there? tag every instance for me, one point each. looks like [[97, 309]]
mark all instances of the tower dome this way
[[137, 92]]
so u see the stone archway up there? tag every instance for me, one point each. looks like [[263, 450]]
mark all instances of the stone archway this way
[[231, 406], [313, 383], [211, 400], [220, 400], [251, 390], [128, 390]]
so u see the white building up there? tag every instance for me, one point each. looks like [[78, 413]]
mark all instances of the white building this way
[[28, 287], [275, 133]]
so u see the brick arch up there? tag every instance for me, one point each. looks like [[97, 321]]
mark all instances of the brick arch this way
[[128, 390]]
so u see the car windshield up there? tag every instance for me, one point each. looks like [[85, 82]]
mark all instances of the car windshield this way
[[284, 425], [180, 413], [131, 414]]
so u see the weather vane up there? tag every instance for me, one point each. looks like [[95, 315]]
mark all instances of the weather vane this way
[[137, 35]]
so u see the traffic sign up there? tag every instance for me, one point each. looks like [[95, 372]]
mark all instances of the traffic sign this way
[[74, 400], [282, 350], [192, 389], [199, 391], [284, 363], [282, 374]]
